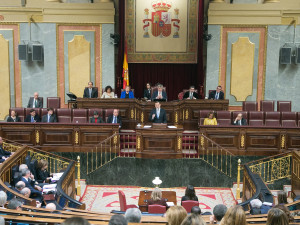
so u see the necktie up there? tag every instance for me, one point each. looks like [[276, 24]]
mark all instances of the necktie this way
[[32, 119], [217, 95], [191, 95], [33, 105], [240, 122], [114, 120], [157, 113], [90, 90], [48, 118]]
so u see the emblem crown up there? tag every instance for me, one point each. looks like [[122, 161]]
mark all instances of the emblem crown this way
[[161, 5]]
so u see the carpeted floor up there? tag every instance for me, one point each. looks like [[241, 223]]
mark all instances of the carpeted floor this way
[[105, 198]]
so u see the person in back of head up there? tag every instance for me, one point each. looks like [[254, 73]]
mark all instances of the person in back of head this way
[[13, 117], [282, 198], [190, 194], [156, 198], [117, 220], [255, 207], [286, 211], [193, 219], [3, 199], [14, 204], [175, 215], [196, 210], [50, 117], [23, 167], [51, 206], [32, 117], [26, 192], [35, 101], [96, 118], [218, 213], [90, 91], [235, 215], [133, 215], [19, 186], [76, 221], [277, 217]]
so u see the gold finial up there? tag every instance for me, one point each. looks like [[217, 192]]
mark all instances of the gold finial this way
[[238, 191]]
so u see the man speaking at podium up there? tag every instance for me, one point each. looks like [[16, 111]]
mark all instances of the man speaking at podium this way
[[158, 115]]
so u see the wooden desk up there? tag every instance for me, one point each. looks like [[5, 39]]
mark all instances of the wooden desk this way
[[133, 111], [164, 143], [146, 195]]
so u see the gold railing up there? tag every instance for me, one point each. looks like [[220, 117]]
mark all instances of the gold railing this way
[[273, 168], [201, 147]]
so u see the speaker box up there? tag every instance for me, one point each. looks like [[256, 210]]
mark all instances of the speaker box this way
[[37, 52], [297, 55], [286, 55], [23, 52]]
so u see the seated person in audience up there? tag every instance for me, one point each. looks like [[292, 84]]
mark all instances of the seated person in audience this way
[[90, 91], [196, 210], [108, 93], [49, 117], [234, 215], [286, 211], [117, 220], [26, 192], [115, 118], [282, 198], [156, 198], [239, 120], [96, 118], [14, 204], [127, 93], [42, 173], [32, 117], [159, 94], [218, 94], [255, 207], [211, 120], [19, 186], [76, 221], [193, 219], [3, 199], [133, 215], [29, 181], [175, 215], [13, 117], [219, 212], [147, 91], [191, 94], [51, 206], [35, 102], [4, 154], [190, 194], [277, 217], [23, 167], [158, 115]]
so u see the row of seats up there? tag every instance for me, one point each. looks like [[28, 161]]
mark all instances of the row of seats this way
[[268, 106], [66, 115], [256, 118]]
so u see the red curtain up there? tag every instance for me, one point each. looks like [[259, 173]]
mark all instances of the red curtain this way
[[175, 77]]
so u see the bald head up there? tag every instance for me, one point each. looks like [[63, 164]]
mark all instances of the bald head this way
[[20, 185], [51, 206], [26, 192]]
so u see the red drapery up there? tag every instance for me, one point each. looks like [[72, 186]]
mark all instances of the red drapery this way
[[175, 77]]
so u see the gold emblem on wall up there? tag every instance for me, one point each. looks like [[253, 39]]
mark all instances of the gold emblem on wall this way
[[138, 143], [242, 67], [282, 141], [76, 137], [37, 137], [242, 141], [179, 143]]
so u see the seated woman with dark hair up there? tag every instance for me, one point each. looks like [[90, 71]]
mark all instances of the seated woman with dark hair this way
[[147, 91], [156, 198], [13, 117], [190, 194], [211, 120], [42, 174], [127, 93], [108, 93]]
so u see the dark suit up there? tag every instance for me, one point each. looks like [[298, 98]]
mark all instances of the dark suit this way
[[212, 95], [162, 116], [36, 118], [42, 175], [99, 120], [155, 94], [111, 117], [147, 93], [39, 103], [3, 153], [34, 192], [187, 95], [53, 118], [9, 119], [86, 93], [243, 122]]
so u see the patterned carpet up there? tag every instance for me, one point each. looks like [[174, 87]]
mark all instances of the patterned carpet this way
[[105, 198]]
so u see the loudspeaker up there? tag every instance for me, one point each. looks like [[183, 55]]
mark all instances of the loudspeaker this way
[[23, 52], [297, 59], [286, 55], [37, 52]]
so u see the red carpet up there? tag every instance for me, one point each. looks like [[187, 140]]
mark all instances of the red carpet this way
[[105, 198]]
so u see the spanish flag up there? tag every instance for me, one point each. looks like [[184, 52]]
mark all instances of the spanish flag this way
[[125, 69]]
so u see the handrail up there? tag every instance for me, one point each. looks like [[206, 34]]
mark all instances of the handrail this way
[[269, 157], [217, 145]]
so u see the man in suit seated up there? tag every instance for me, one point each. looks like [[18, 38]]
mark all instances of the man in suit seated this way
[[32, 117], [217, 94], [115, 118], [49, 117], [239, 120], [159, 94], [19, 186], [29, 181], [191, 94], [158, 115], [90, 92], [96, 118], [35, 101], [3, 154]]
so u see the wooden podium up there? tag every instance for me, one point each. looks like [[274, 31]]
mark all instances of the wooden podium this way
[[158, 142]]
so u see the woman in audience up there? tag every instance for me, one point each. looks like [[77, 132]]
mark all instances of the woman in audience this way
[[175, 215], [211, 120], [127, 93], [193, 219], [156, 198], [277, 217], [282, 198], [42, 174], [13, 117], [234, 216], [189, 194], [108, 93], [3, 199], [286, 211], [147, 92]]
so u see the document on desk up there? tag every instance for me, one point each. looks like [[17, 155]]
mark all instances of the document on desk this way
[[147, 126], [172, 127], [169, 204]]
